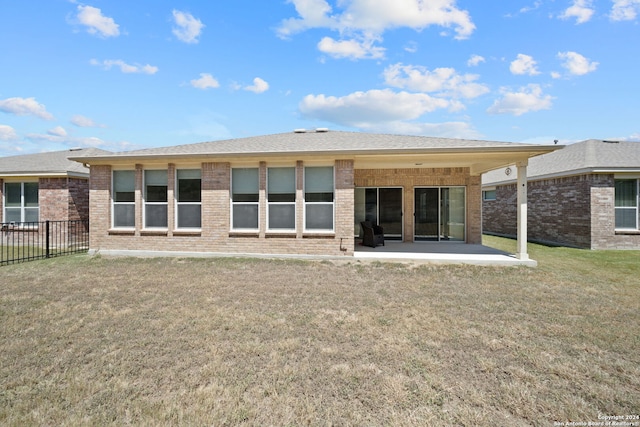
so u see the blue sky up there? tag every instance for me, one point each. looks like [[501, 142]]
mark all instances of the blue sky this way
[[123, 75]]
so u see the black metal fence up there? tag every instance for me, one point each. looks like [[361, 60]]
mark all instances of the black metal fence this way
[[28, 241]]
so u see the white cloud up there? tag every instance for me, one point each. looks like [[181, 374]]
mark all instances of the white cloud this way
[[352, 49], [375, 17], [187, 28], [361, 109], [443, 81], [528, 99], [624, 10], [57, 131], [259, 86], [524, 64], [206, 81], [577, 64], [582, 10], [475, 60], [67, 140], [555, 75], [124, 67], [7, 133], [25, 107], [96, 22], [84, 122]]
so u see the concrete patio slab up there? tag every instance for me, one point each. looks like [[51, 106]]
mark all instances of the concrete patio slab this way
[[441, 253]]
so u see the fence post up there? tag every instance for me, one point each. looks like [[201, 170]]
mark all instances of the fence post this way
[[47, 237]]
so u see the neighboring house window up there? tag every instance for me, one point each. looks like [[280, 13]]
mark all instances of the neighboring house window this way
[[155, 198], [318, 198], [281, 197], [188, 198], [21, 202], [124, 183], [626, 203], [244, 198], [489, 195]]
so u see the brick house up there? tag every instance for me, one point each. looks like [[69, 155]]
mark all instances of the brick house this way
[[584, 196], [44, 186], [303, 192]]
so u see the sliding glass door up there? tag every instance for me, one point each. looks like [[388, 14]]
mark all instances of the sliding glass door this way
[[381, 206], [439, 214]]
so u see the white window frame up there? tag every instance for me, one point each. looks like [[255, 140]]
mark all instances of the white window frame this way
[[147, 203], [22, 207], [273, 203], [308, 204], [178, 203], [244, 203], [635, 209], [114, 203]]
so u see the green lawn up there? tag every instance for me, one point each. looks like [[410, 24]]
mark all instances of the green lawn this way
[[129, 341]]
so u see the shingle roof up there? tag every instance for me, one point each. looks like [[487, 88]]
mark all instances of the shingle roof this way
[[51, 163], [317, 142], [592, 155]]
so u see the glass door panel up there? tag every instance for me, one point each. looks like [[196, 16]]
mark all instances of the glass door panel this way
[[452, 213], [381, 206], [426, 214], [390, 211]]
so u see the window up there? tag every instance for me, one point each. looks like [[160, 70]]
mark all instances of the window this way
[[281, 197], [489, 194], [155, 199], [124, 183], [21, 202], [626, 204], [188, 198], [244, 198], [318, 198]]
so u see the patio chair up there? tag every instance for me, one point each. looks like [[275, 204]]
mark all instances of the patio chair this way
[[372, 235]]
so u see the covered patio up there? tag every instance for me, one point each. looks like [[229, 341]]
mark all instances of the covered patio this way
[[440, 253]]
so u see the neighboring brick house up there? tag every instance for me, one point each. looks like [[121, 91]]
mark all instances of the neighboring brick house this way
[[303, 192], [44, 186], [585, 196]]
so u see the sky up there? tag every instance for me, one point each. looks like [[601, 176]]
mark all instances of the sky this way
[[123, 75]]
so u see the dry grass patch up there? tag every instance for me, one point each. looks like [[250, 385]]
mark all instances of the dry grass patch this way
[[113, 341]]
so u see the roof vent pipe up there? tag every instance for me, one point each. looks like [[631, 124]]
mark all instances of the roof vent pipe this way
[[322, 129], [299, 131]]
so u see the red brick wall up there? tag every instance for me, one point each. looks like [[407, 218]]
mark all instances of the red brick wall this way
[[572, 211], [62, 199]]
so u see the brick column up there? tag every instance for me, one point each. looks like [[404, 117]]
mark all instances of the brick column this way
[[299, 198], [171, 184], [138, 198], [262, 199]]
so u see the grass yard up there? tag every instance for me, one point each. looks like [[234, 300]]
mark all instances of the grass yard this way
[[118, 341]]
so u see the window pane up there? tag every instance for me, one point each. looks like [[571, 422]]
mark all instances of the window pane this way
[[245, 216], [319, 197], [318, 179], [189, 216], [189, 185], [319, 217], [626, 218], [155, 185], [626, 193], [156, 193], [12, 215], [13, 194], [245, 183], [156, 216], [123, 215], [31, 214], [124, 186], [31, 194], [281, 184], [282, 217]]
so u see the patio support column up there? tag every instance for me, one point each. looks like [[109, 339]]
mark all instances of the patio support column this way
[[522, 210]]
